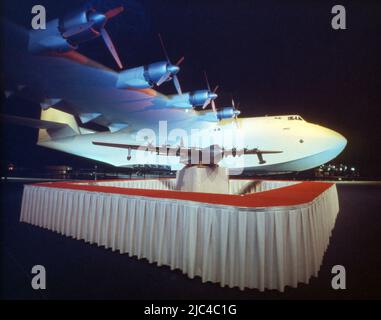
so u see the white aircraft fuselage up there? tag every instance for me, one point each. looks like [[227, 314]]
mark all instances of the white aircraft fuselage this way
[[303, 145]]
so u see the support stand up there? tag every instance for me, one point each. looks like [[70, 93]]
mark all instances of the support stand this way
[[210, 179]]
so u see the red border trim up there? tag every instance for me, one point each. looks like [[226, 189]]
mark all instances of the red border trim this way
[[296, 194]]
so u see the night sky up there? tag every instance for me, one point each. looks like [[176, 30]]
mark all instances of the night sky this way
[[275, 57]]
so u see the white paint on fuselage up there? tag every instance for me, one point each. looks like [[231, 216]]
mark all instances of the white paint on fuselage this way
[[304, 145]]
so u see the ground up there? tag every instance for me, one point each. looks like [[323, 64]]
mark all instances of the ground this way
[[78, 270]]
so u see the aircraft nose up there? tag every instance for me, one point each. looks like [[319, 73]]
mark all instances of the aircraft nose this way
[[336, 140], [341, 142]]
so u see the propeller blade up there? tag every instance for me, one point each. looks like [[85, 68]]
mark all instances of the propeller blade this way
[[180, 61], [214, 106], [110, 46], [78, 29], [177, 84], [163, 47], [163, 78], [215, 89], [233, 104], [236, 114], [114, 12], [206, 79], [206, 103]]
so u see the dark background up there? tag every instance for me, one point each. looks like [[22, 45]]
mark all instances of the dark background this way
[[275, 57]]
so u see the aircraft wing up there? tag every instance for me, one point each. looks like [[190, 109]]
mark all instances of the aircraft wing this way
[[74, 83], [82, 86], [186, 152]]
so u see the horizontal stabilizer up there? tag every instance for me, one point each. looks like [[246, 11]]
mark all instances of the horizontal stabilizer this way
[[87, 117], [33, 123], [47, 103], [53, 125], [114, 127]]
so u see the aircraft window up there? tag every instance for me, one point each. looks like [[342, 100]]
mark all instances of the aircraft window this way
[[295, 118]]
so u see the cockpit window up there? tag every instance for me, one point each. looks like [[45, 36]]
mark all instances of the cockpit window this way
[[295, 118]]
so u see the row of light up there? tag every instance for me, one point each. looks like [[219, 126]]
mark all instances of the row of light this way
[[340, 167]]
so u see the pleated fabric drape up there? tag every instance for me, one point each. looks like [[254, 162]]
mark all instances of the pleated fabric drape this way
[[263, 248]]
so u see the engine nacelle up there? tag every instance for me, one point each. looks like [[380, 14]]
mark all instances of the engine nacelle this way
[[78, 18], [52, 38], [143, 77], [226, 113], [191, 99], [154, 71], [199, 97], [133, 78]]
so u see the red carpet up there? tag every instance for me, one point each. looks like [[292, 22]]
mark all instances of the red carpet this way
[[303, 192]]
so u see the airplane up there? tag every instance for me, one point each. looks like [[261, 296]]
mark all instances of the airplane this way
[[119, 118]]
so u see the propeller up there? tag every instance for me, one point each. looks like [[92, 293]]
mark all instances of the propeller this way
[[171, 69], [114, 12], [78, 29], [111, 47], [211, 94], [97, 22], [236, 111]]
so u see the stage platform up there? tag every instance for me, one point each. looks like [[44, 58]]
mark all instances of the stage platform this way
[[263, 234]]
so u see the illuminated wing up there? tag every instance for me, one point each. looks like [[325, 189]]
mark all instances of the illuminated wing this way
[[82, 85], [94, 92], [214, 153], [160, 150]]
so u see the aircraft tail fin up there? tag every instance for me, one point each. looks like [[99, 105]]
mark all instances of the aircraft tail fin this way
[[69, 126], [53, 124]]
